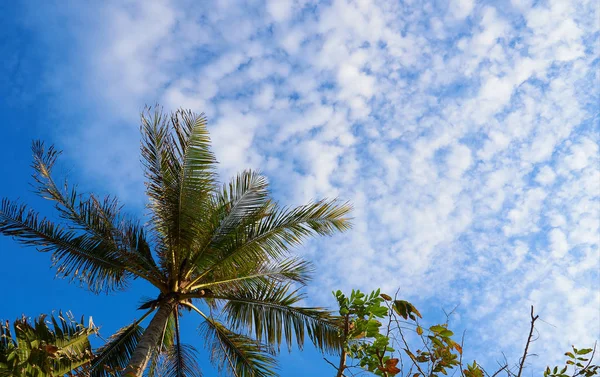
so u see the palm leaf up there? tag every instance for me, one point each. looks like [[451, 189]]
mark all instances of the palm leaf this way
[[269, 312], [176, 361], [179, 360], [180, 170], [114, 356], [162, 186], [100, 220], [272, 236], [78, 256], [239, 354], [197, 176], [242, 201], [289, 269]]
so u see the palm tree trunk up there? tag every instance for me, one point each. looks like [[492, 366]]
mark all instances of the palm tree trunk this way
[[150, 339]]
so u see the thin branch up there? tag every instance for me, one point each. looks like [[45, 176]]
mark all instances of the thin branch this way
[[522, 363], [500, 370], [395, 319], [462, 347], [330, 363]]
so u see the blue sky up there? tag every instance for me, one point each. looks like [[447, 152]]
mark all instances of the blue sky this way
[[465, 133]]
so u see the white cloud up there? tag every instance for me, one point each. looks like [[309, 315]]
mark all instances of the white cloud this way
[[280, 10], [558, 243], [582, 155], [459, 160], [461, 8]]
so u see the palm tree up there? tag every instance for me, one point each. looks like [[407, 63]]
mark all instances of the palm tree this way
[[221, 251], [39, 350]]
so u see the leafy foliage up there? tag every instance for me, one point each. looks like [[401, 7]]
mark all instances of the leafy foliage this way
[[360, 331], [580, 363], [428, 352], [440, 354], [39, 350]]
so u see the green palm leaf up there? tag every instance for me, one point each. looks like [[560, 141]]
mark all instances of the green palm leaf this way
[[180, 170], [99, 220], [268, 311], [180, 360], [240, 355], [75, 255], [273, 235], [114, 356], [289, 269], [242, 201]]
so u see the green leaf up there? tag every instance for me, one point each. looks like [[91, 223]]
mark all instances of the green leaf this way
[[438, 329]]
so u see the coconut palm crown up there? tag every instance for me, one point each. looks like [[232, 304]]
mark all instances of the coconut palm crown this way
[[223, 252]]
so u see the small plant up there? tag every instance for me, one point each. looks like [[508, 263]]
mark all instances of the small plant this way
[[374, 327], [370, 343], [360, 332], [579, 362]]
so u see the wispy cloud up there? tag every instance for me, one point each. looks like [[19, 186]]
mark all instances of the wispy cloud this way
[[465, 134]]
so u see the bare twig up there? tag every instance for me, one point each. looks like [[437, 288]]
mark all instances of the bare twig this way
[[394, 318], [522, 363], [330, 363], [449, 314], [460, 360], [500, 370], [509, 372]]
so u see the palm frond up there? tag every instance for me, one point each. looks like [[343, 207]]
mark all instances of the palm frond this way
[[275, 234], [180, 168], [101, 220], [243, 200], [180, 360], [268, 311], [77, 256], [162, 174], [198, 173], [114, 356], [176, 361], [289, 269], [239, 354], [239, 201], [170, 332]]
